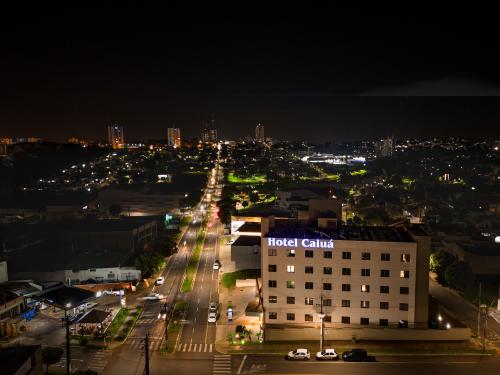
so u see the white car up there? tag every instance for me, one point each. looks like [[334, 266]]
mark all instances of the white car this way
[[217, 264], [299, 354], [86, 306], [327, 354], [212, 317], [153, 296], [111, 292], [160, 280]]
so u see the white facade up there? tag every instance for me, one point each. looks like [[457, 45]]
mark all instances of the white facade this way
[[349, 282], [103, 274]]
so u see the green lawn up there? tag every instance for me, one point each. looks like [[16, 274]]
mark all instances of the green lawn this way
[[187, 283], [256, 179], [326, 177], [229, 279], [361, 172], [117, 322]]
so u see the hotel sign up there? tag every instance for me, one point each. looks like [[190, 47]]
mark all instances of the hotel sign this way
[[304, 242]]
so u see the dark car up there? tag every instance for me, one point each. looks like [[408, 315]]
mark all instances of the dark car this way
[[357, 355]]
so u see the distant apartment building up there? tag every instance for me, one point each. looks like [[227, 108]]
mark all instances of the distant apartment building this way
[[384, 147], [6, 141], [3, 149], [357, 276], [208, 135], [259, 133], [34, 140], [174, 137], [116, 138]]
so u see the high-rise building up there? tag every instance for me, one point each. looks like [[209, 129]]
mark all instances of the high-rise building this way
[[208, 135], [384, 147], [259, 133], [174, 137], [115, 136]]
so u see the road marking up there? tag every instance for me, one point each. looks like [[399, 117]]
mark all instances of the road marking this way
[[185, 345], [189, 347], [195, 347], [205, 350], [241, 364], [210, 348]]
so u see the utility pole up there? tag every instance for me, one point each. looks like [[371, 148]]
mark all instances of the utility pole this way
[[479, 312], [68, 354], [146, 350]]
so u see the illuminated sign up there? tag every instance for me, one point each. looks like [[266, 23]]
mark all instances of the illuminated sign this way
[[304, 242]]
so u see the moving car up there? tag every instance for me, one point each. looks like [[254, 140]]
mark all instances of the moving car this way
[[298, 354], [160, 280], [212, 317], [217, 264], [357, 355], [163, 312], [153, 296], [327, 354], [213, 307]]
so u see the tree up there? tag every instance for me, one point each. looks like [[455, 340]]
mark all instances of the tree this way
[[439, 262], [115, 209], [458, 275], [51, 355]]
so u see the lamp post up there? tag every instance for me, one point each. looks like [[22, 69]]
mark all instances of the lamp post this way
[[485, 307], [321, 317], [68, 354]]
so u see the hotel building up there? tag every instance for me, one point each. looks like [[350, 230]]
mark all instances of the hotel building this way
[[352, 276]]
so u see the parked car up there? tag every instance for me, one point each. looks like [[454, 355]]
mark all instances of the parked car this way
[[86, 306], [213, 307], [153, 296], [298, 354], [229, 314], [111, 292], [357, 355], [160, 280], [212, 317], [327, 354], [217, 264]]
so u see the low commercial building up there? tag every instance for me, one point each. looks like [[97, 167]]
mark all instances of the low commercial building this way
[[356, 276], [21, 360]]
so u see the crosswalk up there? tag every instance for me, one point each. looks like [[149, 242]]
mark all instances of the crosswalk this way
[[221, 364], [195, 348], [146, 321], [86, 359], [138, 343]]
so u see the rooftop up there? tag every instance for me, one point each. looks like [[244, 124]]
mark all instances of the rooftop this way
[[12, 358], [344, 232], [247, 241], [249, 227]]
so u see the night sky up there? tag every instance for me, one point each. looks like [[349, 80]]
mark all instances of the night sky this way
[[303, 78]]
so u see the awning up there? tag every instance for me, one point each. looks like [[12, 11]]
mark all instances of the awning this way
[[94, 316]]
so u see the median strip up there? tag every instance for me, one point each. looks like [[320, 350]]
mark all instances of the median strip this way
[[188, 281]]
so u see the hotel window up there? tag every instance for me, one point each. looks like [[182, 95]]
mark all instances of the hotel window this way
[[327, 270], [327, 254], [271, 252], [272, 283], [290, 268], [309, 253], [346, 271], [290, 316], [365, 256], [405, 258], [346, 287], [384, 305], [365, 304], [273, 299], [309, 285], [290, 253], [290, 300], [346, 303], [309, 301], [308, 318], [404, 274], [346, 255], [327, 302], [403, 306], [327, 286], [384, 273], [365, 272], [365, 288], [383, 322], [364, 321], [309, 269], [346, 320], [290, 284], [385, 257], [272, 268], [404, 290], [327, 319], [273, 315], [384, 289]]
